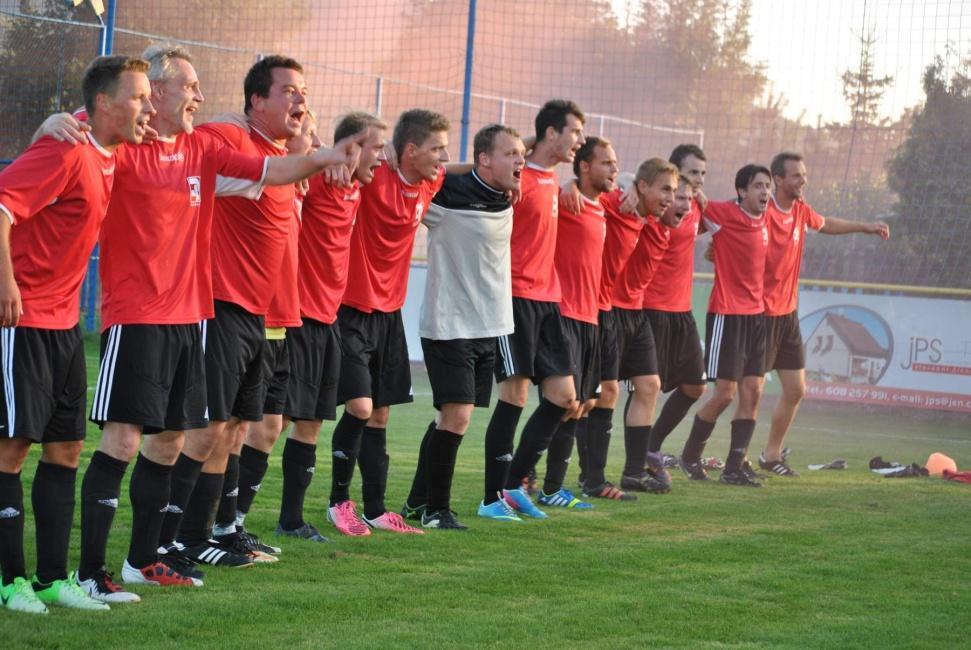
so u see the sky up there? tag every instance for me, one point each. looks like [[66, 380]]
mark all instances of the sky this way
[[807, 46]]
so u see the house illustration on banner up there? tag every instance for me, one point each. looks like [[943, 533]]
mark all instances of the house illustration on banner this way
[[842, 350]]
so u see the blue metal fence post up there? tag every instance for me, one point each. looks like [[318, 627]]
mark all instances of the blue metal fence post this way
[[467, 87]]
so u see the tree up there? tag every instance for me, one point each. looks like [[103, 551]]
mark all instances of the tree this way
[[863, 90]]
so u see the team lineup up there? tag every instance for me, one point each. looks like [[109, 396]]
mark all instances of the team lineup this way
[[253, 280]]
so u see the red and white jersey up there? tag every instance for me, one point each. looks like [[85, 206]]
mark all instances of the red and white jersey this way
[[740, 243], [579, 257], [155, 241], [642, 265], [383, 239], [329, 213], [56, 196], [784, 258], [249, 236], [533, 243], [284, 308], [675, 273], [623, 230]]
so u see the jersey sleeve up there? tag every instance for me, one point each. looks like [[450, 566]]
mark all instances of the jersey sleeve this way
[[237, 174], [713, 216], [814, 220], [34, 180]]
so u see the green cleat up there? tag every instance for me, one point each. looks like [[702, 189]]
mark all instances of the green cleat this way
[[68, 593], [19, 596]]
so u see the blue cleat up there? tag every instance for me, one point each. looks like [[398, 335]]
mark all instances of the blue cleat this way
[[563, 498], [519, 500], [498, 510]]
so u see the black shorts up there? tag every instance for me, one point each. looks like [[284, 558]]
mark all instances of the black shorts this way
[[153, 376], [538, 347], [783, 343], [680, 359], [45, 384], [585, 347], [734, 346], [276, 374], [460, 370], [235, 342], [315, 368], [609, 355], [374, 357], [636, 351]]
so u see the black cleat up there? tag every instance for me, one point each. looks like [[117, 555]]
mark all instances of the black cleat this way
[[414, 514], [444, 519], [236, 543], [175, 558], [695, 471], [256, 543], [211, 553], [607, 490], [656, 468], [778, 467], [644, 482], [306, 531], [740, 478]]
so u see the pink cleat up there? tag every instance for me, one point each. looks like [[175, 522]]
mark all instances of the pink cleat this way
[[345, 519], [392, 522]]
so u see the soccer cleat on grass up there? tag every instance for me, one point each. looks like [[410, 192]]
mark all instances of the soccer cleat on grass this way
[[158, 575], [412, 514], [101, 586], [255, 542], [607, 490], [644, 482], [695, 471], [345, 519], [519, 501], [67, 593], [306, 531], [498, 510], [212, 553], [234, 543], [393, 523], [443, 519], [173, 556], [739, 478], [19, 596], [778, 467], [656, 468], [563, 498], [751, 473]]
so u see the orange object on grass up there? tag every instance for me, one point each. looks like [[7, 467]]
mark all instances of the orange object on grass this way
[[938, 462]]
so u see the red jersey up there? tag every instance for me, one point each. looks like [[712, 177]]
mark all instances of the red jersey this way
[[784, 258], [284, 308], [329, 213], [155, 241], [56, 196], [623, 229], [249, 236], [579, 256], [642, 265], [533, 243], [740, 244], [382, 241], [677, 267]]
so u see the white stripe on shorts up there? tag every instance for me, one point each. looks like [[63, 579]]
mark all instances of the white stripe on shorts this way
[[106, 376], [506, 354], [7, 339], [717, 327]]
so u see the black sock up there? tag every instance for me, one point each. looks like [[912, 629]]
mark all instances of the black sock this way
[[12, 527], [600, 424], [185, 473], [418, 496], [742, 431], [373, 462], [443, 447], [149, 492], [558, 456], [635, 447], [100, 489], [534, 441], [200, 511], [52, 496], [299, 465], [226, 514], [500, 437], [694, 446], [345, 445], [674, 410], [583, 446], [253, 464]]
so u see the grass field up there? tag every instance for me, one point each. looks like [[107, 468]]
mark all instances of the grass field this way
[[831, 559]]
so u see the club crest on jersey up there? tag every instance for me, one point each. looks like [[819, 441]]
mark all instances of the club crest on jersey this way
[[419, 212], [195, 190]]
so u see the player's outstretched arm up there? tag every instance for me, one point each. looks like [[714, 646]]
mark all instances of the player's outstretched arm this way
[[10, 304], [834, 226], [63, 127], [337, 163]]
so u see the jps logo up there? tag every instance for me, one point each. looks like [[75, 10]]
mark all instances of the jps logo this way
[[195, 190]]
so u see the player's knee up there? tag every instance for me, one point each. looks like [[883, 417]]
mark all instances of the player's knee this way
[[609, 393], [694, 391], [13, 453], [305, 431], [66, 454], [561, 393], [121, 446], [359, 408], [456, 420], [514, 391], [794, 392], [379, 417]]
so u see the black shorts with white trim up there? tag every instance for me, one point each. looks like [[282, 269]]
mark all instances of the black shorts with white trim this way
[[538, 347], [734, 346]]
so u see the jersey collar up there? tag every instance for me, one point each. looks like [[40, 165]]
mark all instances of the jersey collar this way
[[97, 145]]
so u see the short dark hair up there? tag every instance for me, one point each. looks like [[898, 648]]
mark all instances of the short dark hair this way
[[682, 151], [102, 75], [260, 77], [778, 165], [553, 113], [745, 175], [415, 126], [356, 122], [485, 139], [586, 151]]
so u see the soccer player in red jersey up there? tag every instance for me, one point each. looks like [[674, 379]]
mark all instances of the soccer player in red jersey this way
[[789, 218], [668, 305], [53, 199], [375, 369], [538, 349], [735, 328], [580, 239]]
